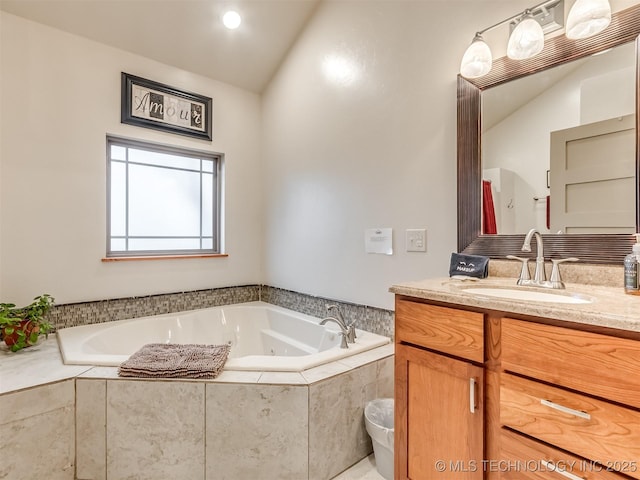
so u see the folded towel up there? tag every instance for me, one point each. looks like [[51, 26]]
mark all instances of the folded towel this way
[[469, 265], [171, 360]]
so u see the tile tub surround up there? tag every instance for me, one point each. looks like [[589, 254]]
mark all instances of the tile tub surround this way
[[86, 313], [236, 425], [610, 308], [37, 435], [371, 319]]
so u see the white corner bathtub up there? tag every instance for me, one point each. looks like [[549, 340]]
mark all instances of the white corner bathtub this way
[[263, 337]]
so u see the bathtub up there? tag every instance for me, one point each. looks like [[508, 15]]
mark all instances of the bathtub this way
[[263, 337]]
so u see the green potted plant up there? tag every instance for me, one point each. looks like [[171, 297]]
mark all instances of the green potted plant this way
[[21, 327]]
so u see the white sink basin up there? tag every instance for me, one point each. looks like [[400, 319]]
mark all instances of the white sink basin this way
[[530, 295]]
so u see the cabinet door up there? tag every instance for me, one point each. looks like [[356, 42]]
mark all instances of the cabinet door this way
[[439, 417]]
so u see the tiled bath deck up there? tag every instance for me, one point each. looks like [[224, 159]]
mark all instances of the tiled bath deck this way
[[43, 364], [281, 424]]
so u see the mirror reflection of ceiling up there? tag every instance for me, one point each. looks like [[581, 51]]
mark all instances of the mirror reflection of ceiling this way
[[518, 118]]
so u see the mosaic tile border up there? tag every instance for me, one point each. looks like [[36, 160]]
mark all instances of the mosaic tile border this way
[[367, 318], [371, 319], [85, 313]]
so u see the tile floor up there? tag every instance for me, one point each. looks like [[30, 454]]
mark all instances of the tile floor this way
[[363, 470]]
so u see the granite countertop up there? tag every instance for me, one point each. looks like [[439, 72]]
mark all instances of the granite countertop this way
[[610, 306]]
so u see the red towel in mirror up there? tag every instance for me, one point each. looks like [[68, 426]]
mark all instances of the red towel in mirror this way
[[488, 211]]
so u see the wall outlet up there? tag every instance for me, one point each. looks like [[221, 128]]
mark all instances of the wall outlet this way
[[416, 240]]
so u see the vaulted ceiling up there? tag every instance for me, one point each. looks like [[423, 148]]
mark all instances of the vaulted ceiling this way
[[187, 34]]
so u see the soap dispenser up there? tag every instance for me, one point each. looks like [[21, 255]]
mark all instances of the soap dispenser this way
[[631, 273]]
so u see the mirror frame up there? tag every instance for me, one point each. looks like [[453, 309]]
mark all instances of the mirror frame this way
[[590, 248]]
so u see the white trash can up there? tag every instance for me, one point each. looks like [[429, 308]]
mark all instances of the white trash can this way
[[378, 420]]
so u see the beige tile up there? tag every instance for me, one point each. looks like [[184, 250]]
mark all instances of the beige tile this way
[[237, 376], [39, 447], [336, 421], [322, 372], [101, 372], [35, 401], [368, 356], [91, 420], [385, 377], [155, 430], [257, 432], [282, 378], [34, 366]]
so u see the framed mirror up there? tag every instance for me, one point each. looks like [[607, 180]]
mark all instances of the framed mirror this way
[[558, 55]]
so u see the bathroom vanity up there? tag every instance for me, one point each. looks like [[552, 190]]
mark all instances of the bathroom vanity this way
[[494, 387]]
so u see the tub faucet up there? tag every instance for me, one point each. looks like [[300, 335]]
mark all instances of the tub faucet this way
[[351, 328], [343, 329], [539, 276]]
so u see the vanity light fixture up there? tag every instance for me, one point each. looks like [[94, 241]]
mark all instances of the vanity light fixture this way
[[477, 60], [586, 18], [527, 39]]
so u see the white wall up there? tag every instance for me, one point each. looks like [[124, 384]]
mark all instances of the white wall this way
[[60, 98], [376, 148]]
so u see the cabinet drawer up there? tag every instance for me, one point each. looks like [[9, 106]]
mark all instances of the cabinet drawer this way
[[591, 428], [601, 365], [448, 330], [527, 459]]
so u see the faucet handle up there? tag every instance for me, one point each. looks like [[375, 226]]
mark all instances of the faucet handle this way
[[556, 279], [335, 307], [525, 275]]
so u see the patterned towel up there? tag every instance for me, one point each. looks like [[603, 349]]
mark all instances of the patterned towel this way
[[172, 360]]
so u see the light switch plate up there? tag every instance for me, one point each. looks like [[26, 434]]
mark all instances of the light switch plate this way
[[416, 239]]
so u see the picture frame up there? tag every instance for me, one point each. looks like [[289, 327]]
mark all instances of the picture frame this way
[[149, 104]]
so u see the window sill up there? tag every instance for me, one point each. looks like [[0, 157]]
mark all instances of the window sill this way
[[163, 257]]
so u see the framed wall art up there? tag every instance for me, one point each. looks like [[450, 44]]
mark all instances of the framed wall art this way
[[154, 105]]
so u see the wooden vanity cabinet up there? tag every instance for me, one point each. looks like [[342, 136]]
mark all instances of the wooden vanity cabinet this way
[[480, 395], [439, 397], [574, 391]]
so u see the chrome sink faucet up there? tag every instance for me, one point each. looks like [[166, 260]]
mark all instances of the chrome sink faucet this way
[[539, 276]]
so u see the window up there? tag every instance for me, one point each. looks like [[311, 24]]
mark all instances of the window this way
[[161, 200]]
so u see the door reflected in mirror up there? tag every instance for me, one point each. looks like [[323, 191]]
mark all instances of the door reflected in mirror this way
[[558, 148]]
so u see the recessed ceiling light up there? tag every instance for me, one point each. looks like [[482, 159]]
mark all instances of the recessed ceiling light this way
[[231, 20]]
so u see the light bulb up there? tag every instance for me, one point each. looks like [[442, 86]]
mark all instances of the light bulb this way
[[587, 18], [232, 20], [477, 60], [526, 40]]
